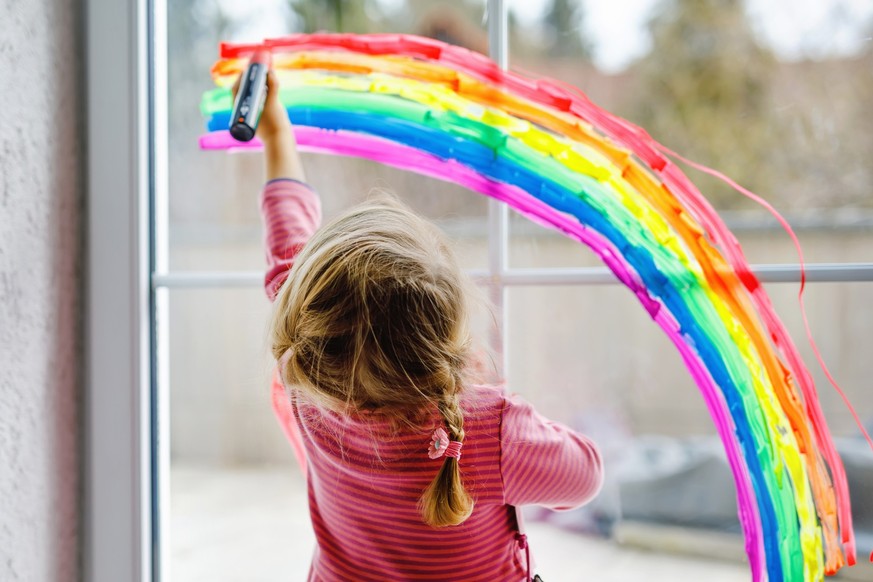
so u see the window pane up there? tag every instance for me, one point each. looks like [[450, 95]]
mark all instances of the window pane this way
[[214, 223], [591, 357], [842, 325], [586, 356], [770, 93], [232, 470], [597, 346], [592, 352]]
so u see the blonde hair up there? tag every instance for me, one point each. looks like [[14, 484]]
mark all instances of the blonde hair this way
[[374, 317]]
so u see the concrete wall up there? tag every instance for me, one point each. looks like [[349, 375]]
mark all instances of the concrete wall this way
[[41, 202]]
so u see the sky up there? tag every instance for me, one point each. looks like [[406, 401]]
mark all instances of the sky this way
[[794, 29]]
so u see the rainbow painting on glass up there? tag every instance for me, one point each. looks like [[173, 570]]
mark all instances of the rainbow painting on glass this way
[[545, 150]]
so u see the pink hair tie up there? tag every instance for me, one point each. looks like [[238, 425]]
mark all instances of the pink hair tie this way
[[441, 446]]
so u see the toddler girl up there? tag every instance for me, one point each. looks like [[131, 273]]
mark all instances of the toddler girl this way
[[414, 473]]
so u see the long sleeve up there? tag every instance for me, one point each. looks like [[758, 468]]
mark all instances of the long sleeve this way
[[544, 462], [291, 212]]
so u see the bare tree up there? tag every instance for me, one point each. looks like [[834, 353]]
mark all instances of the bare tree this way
[[705, 89], [337, 15], [563, 22]]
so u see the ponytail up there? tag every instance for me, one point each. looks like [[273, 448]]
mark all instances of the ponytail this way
[[446, 502]]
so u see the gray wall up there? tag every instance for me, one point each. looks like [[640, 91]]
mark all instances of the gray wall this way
[[41, 201]]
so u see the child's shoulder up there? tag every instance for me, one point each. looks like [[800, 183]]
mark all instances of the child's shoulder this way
[[485, 401], [494, 401], [483, 407]]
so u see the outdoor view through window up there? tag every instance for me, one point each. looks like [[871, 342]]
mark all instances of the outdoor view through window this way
[[776, 94]]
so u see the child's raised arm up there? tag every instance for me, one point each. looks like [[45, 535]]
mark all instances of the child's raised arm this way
[[290, 210]]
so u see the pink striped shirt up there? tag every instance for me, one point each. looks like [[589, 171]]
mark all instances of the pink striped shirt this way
[[364, 479]]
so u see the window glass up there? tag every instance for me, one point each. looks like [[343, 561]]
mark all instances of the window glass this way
[[762, 242], [232, 469], [592, 358], [592, 353], [214, 222], [574, 348], [772, 93], [586, 356], [842, 326]]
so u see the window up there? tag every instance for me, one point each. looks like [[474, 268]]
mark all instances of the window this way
[[186, 455]]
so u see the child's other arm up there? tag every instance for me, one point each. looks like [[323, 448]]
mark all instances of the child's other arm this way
[[544, 462]]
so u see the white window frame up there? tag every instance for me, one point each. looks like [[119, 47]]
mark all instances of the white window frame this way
[[118, 495], [128, 279]]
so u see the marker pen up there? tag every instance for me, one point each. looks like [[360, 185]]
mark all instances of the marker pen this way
[[250, 98]]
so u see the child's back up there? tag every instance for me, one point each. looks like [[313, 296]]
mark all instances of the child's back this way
[[365, 484], [366, 480]]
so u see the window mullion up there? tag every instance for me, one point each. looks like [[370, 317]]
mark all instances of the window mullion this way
[[572, 276], [498, 212]]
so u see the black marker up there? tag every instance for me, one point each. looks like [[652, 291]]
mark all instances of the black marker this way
[[250, 98]]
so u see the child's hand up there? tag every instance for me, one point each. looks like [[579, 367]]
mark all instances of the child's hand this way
[[274, 120], [274, 129]]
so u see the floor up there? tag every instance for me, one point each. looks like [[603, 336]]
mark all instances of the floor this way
[[251, 524]]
